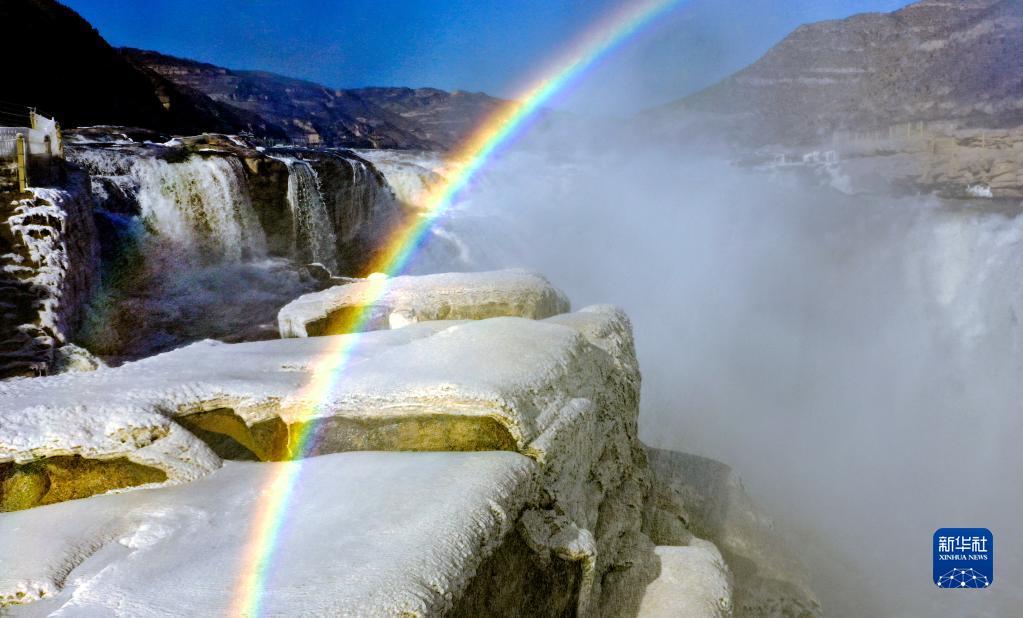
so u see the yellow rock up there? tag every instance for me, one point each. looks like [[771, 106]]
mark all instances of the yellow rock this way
[[68, 477]]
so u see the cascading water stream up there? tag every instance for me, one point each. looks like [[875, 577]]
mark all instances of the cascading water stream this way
[[361, 197], [315, 240], [199, 206], [411, 175], [186, 256], [453, 238], [203, 204]]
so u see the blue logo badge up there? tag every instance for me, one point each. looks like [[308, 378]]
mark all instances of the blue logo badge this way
[[964, 558]]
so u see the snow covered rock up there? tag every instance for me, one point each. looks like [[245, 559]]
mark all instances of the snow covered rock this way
[[694, 495], [210, 386], [48, 269], [563, 391], [694, 582], [368, 534], [70, 358], [399, 301], [432, 386], [51, 454]]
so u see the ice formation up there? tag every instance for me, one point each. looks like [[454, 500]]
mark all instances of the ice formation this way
[[47, 276], [448, 296]]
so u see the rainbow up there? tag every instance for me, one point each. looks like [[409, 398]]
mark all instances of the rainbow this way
[[465, 162]]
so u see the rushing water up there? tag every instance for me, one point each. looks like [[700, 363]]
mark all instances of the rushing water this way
[[360, 201], [857, 359], [204, 204], [201, 204], [314, 232], [411, 175], [185, 255]]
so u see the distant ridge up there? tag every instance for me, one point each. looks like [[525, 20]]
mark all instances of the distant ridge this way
[[59, 64], [935, 60], [310, 113]]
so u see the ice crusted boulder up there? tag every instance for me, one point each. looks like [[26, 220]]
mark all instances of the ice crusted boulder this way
[[693, 495], [407, 299], [368, 534], [561, 393], [71, 358]]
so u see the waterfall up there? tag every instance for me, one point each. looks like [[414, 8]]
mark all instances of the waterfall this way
[[185, 256], [315, 240], [357, 201], [411, 176], [463, 238], [200, 205], [203, 204]]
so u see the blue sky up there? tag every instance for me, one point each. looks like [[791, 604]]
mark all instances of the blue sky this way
[[476, 45]]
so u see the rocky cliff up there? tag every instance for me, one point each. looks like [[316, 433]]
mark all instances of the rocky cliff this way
[[926, 99], [100, 85], [452, 468], [934, 60], [438, 116]]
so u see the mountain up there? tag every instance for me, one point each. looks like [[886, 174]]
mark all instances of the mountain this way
[[935, 60], [66, 70], [439, 116], [314, 114], [60, 65]]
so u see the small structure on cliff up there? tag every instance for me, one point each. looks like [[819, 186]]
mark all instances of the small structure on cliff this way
[[27, 151]]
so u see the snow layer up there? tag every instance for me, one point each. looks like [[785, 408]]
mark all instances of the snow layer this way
[[368, 534], [104, 433], [694, 582], [432, 369], [408, 299], [424, 371], [205, 375]]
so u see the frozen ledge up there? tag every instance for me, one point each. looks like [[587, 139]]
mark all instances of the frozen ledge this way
[[496, 384], [409, 299], [562, 394], [368, 534]]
